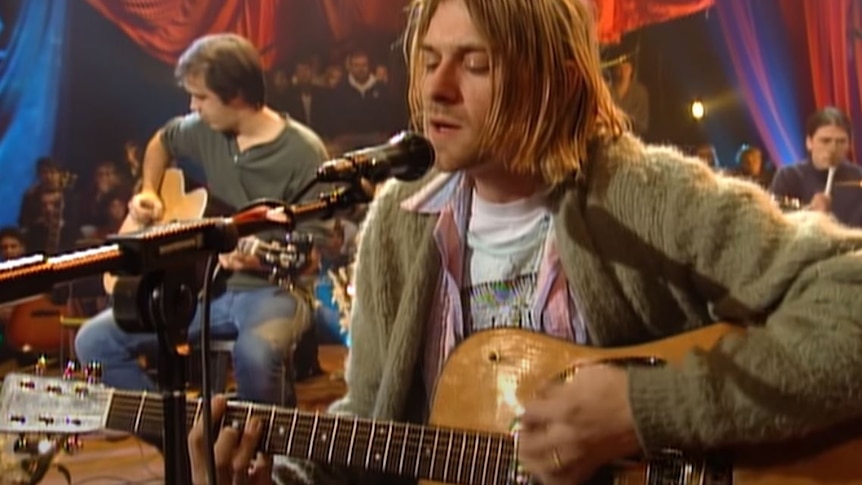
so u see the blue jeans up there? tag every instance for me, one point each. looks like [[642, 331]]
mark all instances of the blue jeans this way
[[266, 323]]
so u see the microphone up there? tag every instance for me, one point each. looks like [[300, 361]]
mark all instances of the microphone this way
[[406, 156]]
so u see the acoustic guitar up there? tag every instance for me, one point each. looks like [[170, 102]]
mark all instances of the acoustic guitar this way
[[178, 205], [470, 437]]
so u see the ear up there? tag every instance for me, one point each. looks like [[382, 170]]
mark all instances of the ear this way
[[809, 142]]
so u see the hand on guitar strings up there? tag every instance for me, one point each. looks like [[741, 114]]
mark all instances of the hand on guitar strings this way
[[238, 260], [570, 430], [146, 207], [237, 460]]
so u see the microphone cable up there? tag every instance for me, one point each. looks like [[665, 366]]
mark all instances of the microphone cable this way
[[206, 385]]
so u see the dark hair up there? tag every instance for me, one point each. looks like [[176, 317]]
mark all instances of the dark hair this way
[[230, 64], [359, 53], [46, 163], [828, 116], [743, 151], [13, 232]]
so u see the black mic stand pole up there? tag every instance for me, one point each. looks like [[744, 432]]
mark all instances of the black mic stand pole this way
[[164, 302], [161, 297]]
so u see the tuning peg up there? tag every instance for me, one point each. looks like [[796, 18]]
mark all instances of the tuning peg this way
[[41, 365], [93, 373], [31, 446], [21, 444], [72, 444], [71, 370]]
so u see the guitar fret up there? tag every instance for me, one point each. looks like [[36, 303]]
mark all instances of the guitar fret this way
[[313, 437], [198, 408], [497, 467], [386, 446], [485, 461], [366, 430], [431, 472], [420, 453], [269, 425], [403, 449], [370, 444], [327, 431], [248, 416], [461, 457], [291, 434], [333, 440], [446, 459], [343, 439], [473, 458], [352, 443], [137, 427]]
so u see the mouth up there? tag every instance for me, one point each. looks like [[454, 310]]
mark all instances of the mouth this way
[[441, 126]]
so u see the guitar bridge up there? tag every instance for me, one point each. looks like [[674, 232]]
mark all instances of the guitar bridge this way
[[569, 373], [672, 467]]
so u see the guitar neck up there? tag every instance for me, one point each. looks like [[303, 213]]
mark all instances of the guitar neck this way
[[438, 454]]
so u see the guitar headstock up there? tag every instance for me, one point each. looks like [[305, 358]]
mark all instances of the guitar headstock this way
[[283, 260], [36, 404]]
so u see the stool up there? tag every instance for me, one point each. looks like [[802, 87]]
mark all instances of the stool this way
[[222, 353], [69, 327]]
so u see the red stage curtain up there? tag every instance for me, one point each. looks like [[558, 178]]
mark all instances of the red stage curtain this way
[[165, 28], [349, 17], [616, 17]]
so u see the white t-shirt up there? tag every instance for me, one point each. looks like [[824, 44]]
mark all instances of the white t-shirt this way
[[504, 251]]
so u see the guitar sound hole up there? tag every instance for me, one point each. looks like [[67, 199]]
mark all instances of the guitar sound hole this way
[[494, 357]]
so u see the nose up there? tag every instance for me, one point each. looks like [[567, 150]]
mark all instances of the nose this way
[[193, 105], [441, 83]]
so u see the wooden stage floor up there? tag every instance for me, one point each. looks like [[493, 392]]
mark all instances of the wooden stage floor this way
[[119, 460]]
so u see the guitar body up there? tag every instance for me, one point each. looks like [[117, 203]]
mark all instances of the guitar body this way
[[489, 376], [34, 326], [178, 205]]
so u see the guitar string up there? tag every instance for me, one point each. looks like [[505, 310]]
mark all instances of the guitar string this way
[[460, 440], [283, 417], [452, 443]]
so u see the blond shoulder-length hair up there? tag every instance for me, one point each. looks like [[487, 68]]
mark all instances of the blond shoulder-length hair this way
[[552, 101]]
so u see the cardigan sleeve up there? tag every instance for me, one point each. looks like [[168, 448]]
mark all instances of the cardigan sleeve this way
[[797, 371]]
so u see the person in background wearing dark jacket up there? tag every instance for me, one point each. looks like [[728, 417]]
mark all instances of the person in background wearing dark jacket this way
[[828, 144]]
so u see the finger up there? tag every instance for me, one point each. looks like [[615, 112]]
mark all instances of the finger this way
[[540, 411], [247, 449], [197, 444], [224, 451], [261, 469], [196, 436]]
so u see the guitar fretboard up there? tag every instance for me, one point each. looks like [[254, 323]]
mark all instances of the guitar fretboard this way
[[439, 454]]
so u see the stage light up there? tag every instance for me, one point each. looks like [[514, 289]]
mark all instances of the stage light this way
[[697, 109]]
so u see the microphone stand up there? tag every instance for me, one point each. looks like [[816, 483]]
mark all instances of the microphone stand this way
[[156, 290]]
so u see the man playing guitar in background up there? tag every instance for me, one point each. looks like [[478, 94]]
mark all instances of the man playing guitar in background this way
[[248, 151]]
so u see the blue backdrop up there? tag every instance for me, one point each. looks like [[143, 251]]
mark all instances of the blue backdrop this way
[[30, 75]]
